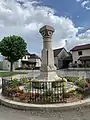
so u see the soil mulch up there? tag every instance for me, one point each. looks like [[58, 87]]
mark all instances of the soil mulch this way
[[70, 100]]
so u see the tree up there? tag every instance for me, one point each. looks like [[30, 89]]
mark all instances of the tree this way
[[13, 48]]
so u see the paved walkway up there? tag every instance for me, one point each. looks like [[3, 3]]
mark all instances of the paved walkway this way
[[61, 106], [75, 114]]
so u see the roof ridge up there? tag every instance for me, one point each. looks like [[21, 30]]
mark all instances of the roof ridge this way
[[83, 44], [58, 48], [57, 51], [81, 47]]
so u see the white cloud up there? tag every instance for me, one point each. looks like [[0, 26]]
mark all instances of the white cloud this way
[[85, 36], [88, 8], [26, 19], [86, 4], [78, 0]]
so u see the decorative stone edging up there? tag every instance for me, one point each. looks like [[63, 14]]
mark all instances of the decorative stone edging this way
[[55, 107]]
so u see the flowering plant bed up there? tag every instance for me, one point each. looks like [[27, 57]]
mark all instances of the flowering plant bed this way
[[40, 92]]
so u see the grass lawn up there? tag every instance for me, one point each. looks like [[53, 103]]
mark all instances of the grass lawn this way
[[7, 74]]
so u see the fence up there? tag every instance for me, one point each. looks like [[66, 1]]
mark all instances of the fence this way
[[38, 92]]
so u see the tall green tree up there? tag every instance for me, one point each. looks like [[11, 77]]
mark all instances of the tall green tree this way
[[13, 48]]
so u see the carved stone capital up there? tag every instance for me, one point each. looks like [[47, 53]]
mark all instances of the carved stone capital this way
[[47, 31]]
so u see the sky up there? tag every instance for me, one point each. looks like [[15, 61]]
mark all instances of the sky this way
[[70, 19]]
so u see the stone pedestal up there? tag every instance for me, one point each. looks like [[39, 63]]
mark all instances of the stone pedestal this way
[[48, 69]]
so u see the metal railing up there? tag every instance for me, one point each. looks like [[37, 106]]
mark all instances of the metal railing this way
[[38, 92]]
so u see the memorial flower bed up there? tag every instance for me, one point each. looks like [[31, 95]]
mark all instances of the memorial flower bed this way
[[30, 91]]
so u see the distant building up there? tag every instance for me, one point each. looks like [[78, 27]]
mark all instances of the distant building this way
[[81, 54], [62, 58], [1, 62], [29, 61]]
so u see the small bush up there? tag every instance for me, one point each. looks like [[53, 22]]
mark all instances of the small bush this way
[[80, 83], [72, 79], [79, 90], [72, 92]]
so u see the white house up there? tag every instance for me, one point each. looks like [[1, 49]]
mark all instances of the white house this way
[[81, 54], [29, 61], [61, 58]]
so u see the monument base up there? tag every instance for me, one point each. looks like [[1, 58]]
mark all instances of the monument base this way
[[48, 76]]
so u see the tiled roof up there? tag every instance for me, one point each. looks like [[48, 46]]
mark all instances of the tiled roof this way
[[27, 53], [81, 47], [31, 62], [70, 54], [34, 56], [57, 51]]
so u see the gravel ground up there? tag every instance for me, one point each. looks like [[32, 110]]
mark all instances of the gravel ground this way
[[13, 114]]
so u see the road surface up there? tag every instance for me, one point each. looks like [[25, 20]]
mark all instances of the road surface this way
[[13, 114]]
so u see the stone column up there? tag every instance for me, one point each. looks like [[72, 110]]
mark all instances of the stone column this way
[[47, 52]]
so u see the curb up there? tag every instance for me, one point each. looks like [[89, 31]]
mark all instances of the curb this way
[[54, 107]]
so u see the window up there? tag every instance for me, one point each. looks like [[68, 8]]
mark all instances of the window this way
[[79, 52]]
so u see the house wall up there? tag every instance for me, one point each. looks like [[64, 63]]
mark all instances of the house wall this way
[[63, 54], [17, 64], [6, 63], [58, 59], [38, 63], [32, 60], [75, 55], [1, 65], [25, 58]]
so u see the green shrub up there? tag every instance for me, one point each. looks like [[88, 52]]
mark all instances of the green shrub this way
[[72, 79], [80, 96], [79, 90], [15, 83], [80, 83], [73, 92], [56, 84]]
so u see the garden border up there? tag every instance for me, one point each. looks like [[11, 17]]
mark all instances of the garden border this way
[[55, 107]]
